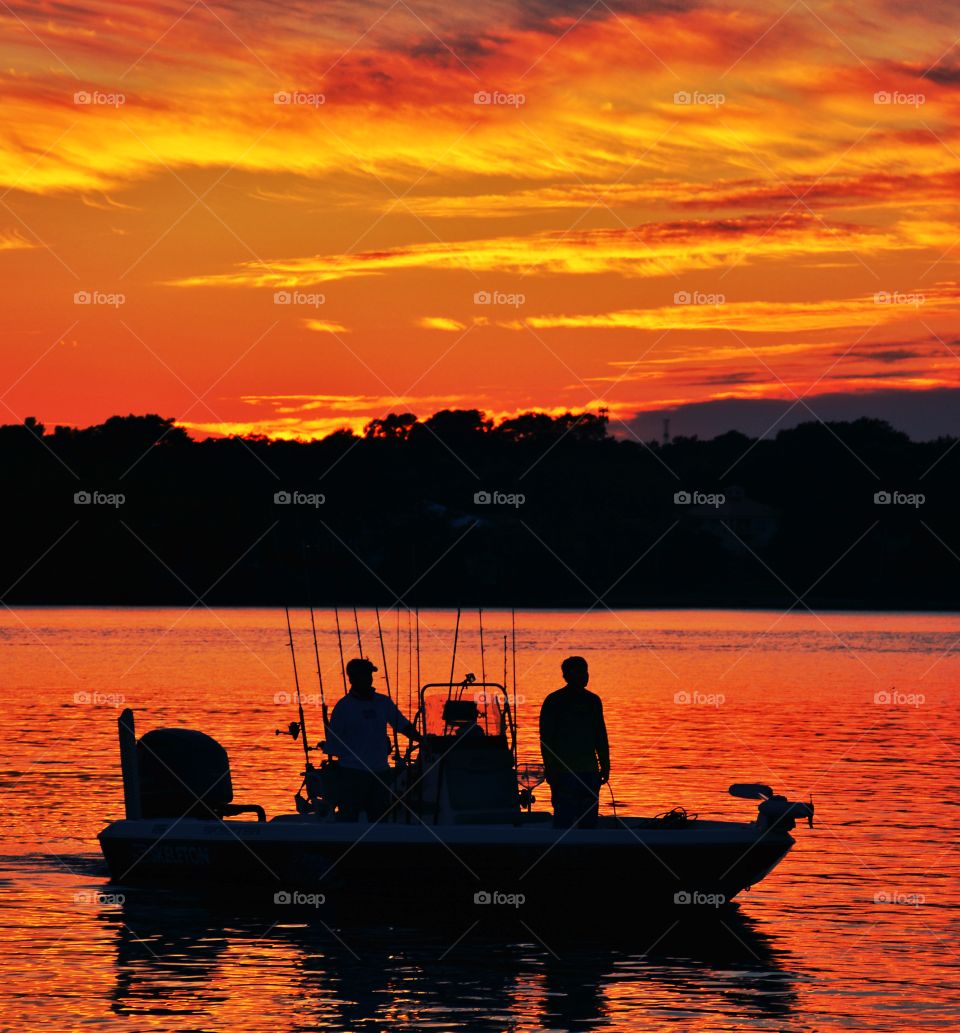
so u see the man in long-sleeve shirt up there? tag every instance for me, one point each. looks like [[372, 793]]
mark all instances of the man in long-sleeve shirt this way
[[357, 734], [576, 752]]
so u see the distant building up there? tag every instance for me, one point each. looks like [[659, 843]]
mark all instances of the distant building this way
[[754, 523]]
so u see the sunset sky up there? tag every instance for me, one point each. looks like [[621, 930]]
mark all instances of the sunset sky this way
[[285, 217]]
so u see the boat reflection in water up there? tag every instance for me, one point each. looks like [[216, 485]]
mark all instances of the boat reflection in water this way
[[197, 960]]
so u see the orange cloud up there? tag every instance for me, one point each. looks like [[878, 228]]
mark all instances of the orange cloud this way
[[597, 158], [648, 250]]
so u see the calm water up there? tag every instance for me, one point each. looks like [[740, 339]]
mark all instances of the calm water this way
[[857, 930]]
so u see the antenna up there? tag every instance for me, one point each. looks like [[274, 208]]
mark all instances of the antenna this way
[[453, 658], [483, 666]]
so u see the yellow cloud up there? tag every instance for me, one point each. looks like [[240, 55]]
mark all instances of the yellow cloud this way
[[13, 240], [440, 323], [323, 326]]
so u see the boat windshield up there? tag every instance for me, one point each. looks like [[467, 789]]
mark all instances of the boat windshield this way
[[467, 708]]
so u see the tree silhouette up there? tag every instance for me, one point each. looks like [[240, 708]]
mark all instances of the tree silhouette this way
[[538, 510]]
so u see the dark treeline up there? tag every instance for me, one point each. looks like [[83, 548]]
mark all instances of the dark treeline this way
[[534, 512]]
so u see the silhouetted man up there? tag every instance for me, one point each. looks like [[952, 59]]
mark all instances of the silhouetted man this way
[[576, 753], [357, 734]]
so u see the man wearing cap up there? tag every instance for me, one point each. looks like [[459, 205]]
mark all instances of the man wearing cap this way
[[357, 734], [576, 753]]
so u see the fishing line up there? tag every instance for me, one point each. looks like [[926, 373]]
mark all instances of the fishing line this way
[[613, 802]]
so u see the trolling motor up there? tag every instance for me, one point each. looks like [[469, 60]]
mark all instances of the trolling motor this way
[[775, 811]]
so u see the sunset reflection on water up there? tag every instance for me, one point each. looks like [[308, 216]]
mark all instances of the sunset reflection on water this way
[[855, 930]]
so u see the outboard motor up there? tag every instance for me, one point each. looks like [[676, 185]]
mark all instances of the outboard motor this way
[[185, 774]]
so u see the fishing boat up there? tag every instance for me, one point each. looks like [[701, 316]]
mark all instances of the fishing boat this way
[[462, 830]]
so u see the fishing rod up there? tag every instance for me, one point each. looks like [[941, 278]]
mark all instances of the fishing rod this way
[[506, 691], [316, 648], [356, 624], [343, 669], [508, 718], [483, 671], [409, 663], [513, 716], [296, 681], [418, 670], [386, 678], [323, 698]]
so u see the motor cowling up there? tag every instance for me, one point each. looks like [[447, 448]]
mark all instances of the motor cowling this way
[[183, 773]]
